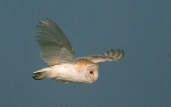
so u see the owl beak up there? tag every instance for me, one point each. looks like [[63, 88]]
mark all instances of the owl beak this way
[[95, 75]]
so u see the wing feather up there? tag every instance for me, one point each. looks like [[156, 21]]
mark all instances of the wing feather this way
[[55, 48], [112, 55]]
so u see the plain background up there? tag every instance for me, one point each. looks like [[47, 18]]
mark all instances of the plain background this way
[[141, 27]]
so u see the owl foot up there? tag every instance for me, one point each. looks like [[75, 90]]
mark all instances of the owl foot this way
[[38, 76]]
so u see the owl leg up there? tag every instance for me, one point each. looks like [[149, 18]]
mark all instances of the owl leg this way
[[41, 74]]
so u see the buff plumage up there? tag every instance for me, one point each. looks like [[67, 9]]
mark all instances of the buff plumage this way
[[57, 51]]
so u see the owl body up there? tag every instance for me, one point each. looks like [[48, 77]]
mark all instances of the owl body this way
[[57, 52], [83, 71]]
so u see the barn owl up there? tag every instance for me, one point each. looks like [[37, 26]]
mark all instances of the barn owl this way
[[56, 50]]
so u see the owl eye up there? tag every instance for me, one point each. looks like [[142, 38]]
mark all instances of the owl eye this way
[[91, 72]]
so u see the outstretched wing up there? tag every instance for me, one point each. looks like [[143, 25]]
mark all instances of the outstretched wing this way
[[112, 55], [55, 48]]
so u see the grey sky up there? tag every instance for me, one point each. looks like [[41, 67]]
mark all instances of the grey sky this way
[[141, 27]]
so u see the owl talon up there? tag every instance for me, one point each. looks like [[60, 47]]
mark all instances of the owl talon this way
[[38, 76]]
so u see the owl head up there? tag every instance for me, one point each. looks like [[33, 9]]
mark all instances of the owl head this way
[[91, 73], [88, 70]]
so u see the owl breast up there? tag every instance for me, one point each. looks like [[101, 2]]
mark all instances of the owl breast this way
[[81, 72], [66, 72]]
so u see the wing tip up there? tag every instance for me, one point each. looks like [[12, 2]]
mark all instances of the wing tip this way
[[118, 53], [122, 52], [44, 21], [41, 22]]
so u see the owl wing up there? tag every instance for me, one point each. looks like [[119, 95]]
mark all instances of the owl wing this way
[[55, 48], [112, 55]]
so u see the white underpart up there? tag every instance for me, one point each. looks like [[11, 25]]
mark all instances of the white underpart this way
[[64, 72]]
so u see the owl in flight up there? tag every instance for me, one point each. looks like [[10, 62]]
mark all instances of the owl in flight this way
[[56, 50]]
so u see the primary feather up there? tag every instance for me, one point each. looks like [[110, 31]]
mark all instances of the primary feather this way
[[112, 55], [55, 48]]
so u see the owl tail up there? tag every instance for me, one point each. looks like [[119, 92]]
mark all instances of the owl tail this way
[[40, 74]]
